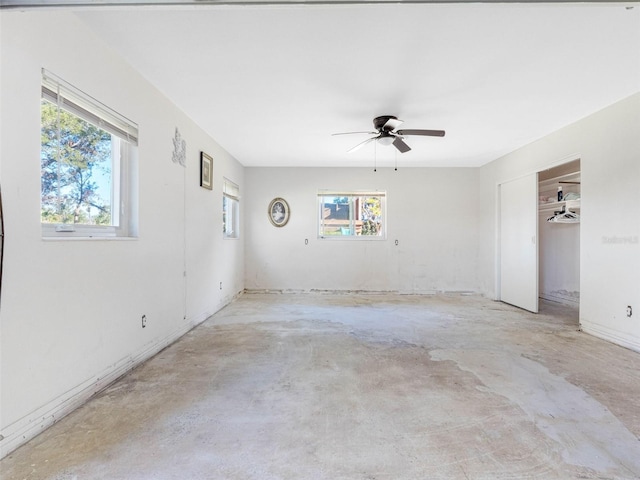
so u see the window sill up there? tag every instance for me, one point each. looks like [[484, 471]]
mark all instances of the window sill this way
[[359, 238]]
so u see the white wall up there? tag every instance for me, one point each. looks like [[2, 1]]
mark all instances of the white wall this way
[[71, 311], [431, 212], [608, 145]]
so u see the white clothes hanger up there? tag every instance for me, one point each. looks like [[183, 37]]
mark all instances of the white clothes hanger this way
[[565, 216]]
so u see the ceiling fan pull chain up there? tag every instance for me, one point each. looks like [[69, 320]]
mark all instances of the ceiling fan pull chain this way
[[375, 156]]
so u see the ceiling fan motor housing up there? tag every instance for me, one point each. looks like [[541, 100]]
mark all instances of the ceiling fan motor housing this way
[[379, 122]]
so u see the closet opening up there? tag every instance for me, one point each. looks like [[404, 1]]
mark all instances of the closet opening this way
[[559, 202]]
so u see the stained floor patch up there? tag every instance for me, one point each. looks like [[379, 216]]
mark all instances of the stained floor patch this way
[[586, 432]]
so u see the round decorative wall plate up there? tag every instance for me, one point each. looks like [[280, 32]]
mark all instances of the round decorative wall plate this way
[[279, 212]]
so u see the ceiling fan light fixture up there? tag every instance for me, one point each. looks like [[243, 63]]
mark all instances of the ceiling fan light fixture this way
[[385, 139]]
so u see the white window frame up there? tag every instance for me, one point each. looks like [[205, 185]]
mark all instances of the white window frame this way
[[230, 196], [124, 134], [352, 236]]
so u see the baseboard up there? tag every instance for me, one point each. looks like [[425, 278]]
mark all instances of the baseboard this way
[[360, 292], [31, 425], [560, 297], [610, 335]]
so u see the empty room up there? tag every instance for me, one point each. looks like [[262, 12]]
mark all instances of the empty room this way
[[319, 240]]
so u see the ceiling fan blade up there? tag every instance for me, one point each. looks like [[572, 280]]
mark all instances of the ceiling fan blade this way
[[361, 144], [426, 133], [392, 124], [351, 133], [400, 145]]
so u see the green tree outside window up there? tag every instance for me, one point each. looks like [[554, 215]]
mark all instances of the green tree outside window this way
[[75, 169]]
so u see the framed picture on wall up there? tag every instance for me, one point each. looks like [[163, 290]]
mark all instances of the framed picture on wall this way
[[206, 171], [279, 212]]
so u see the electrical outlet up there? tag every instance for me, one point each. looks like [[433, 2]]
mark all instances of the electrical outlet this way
[[144, 321], [629, 311], [220, 285]]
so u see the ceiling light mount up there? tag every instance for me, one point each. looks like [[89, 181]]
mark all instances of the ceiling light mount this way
[[380, 123]]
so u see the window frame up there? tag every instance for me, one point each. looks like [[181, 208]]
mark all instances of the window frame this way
[[124, 135], [352, 193], [230, 195]]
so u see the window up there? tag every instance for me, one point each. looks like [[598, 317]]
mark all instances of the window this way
[[352, 215], [87, 158], [230, 209]]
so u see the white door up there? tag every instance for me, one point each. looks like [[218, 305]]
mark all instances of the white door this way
[[518, 242]]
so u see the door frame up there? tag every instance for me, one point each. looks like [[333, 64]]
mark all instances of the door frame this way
[[498, 225]]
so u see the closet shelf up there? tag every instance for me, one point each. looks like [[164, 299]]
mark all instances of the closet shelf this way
[[555, 181], [554, 206]]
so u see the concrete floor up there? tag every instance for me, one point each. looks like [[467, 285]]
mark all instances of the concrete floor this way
[[280, 386]]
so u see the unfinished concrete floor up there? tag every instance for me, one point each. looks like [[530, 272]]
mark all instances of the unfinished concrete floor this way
[[335, 387]]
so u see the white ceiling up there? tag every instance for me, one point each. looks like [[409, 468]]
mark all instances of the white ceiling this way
[[271, 83]]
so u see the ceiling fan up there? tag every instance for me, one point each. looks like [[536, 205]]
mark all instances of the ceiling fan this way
[[388, 134]]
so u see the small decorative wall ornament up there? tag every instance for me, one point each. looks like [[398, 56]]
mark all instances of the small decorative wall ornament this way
[[279, 212], [206, 171], [179, 149]]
